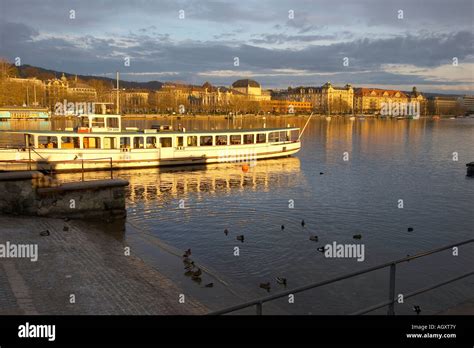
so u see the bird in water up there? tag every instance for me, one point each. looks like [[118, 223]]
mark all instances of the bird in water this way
[[226, 231], [282, 227], [417, 309], [187, 253], [241, 238], [302, 223], [197, 273], [189, 266], [321, 173], [44, 233], [313, 238], [281, 280], [210, 285], [357, 236], [265, 286], [410, 229], [321, 249]]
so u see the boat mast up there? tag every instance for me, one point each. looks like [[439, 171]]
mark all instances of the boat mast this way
[[117, 109]]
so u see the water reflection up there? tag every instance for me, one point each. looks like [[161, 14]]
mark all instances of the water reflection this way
[[148, 185]]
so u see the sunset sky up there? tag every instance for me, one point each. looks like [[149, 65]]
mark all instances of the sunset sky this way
[[275, 50]]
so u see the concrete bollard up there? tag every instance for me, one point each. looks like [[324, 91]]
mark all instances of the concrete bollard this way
[[470, 169]]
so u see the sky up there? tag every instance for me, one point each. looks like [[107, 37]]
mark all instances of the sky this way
[[277, 43]]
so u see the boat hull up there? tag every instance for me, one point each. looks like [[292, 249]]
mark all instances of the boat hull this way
[[58, 160]]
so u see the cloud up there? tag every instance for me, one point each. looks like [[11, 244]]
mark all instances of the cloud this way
[[305, 50]]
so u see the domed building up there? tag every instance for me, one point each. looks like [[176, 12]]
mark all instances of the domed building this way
[[251, 89]]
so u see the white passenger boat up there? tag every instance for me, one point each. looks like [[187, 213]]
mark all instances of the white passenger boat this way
[[99, 143]]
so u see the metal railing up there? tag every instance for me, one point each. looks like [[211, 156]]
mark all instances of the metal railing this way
[[258, 303], [97, 159], [51, 167]]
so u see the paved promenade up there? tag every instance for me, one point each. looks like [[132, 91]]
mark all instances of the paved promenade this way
[[90, 265]]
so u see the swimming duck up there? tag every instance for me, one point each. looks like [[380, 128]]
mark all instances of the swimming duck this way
[[187, 253], [265, 286], [321, 249], [417, 309], [197, 273], [44, 233], [313, 238], [410, 229], [282, 227], [226, 231], [189, 265], [357, 236], [281, 280], [240, 238], [210, 285], [302, 223]]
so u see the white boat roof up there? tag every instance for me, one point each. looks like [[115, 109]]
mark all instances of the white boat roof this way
[[141, 132]]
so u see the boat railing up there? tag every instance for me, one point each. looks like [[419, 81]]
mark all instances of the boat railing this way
[[97, 159], [258, 303]]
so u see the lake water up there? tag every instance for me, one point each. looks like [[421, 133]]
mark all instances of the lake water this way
[[388, 161]]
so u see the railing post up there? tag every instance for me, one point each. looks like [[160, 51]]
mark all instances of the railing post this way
[[111, 169], [391, 294], [82, 165], [29, 158], [259, 308]]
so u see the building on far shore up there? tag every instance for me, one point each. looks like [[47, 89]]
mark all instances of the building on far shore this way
[[446, 105], [370, 100], [251, 89], [468, 103], [327, 99], [285, 106]]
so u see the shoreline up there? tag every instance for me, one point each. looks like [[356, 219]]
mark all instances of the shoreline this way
[[82, 272]]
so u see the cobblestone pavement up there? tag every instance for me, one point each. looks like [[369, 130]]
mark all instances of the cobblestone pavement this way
[[86, 263]]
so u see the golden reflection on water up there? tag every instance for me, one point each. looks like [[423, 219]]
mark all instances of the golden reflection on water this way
[[146, 185]]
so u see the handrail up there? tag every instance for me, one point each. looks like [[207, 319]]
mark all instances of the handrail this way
[[95, 159], [259, 302]]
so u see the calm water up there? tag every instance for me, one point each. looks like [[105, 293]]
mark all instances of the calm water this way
[[388, 160]]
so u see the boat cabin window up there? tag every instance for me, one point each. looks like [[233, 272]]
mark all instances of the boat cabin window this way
[[70, 143], [98, 122], [205, 140], [274, 137], [192, 140], [138, 143], [221, 140], [261, 138], [294, 134], [112, 122], [91, 143], [151, 142], [235, 139], [30, 140], [47, 142], [125, 142], [166, 142], [110, 143], [248, 139], [180, 141]]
